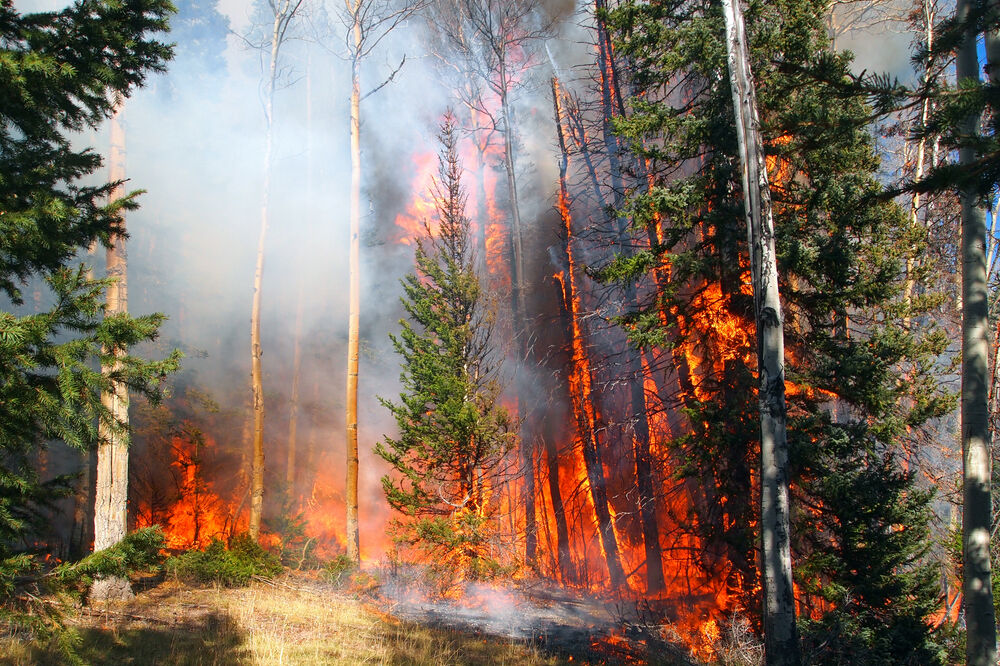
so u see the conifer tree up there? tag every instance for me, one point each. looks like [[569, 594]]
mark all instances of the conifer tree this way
[[452, 430], [62, 72], [841, 282]]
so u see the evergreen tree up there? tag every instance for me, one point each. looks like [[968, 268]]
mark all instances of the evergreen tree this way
[[452, 431], [840, 281], [62, 72]]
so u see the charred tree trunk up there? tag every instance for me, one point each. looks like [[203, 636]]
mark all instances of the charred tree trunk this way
[[83, 499], [981, 641], [565, 561], [781, 639], [111, 497], [580, 379], [640, 424]]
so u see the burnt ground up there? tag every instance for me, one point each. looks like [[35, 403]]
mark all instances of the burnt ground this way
[[574, 627]]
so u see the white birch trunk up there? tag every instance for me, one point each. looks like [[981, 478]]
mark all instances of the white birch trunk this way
[[256, 351], [354, 308], [781, 638]]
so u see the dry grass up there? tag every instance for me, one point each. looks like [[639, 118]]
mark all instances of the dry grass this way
[[174, 624]]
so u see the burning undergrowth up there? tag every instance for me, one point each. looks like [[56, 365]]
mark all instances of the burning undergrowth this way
[[573, 624]]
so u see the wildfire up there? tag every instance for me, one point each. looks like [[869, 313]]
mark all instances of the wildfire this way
[[195, 513], [421, 210]]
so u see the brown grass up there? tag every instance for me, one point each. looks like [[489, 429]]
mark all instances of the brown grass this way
[[262, 624]]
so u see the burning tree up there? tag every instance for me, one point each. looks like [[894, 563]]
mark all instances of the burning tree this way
[[863, 581], [453, 432]]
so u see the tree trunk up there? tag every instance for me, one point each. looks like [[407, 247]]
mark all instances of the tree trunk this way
[[520, 324], [927, 15], [565, 560], [640, 428], [111, 498], [293, 406], [580, 379], [256, 371], [781, 639], [354, 309], [981, 641]]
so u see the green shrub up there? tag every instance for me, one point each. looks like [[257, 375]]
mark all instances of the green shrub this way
[[138, 551], [232, 567], [334, 570]]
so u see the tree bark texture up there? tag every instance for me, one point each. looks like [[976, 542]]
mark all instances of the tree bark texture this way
[[781, 639], [981, 648], [354, 307], [640, 428], [111, 496]]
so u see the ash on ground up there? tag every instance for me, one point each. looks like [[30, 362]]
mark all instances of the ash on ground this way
[[588, 629]]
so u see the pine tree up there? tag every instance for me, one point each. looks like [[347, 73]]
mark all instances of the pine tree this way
[[841, 282], [62, 72], [452, 430]]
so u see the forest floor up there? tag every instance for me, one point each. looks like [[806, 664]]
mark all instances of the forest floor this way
[[298, 620]]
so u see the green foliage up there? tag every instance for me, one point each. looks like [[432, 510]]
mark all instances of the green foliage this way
[[876, 577], [861, 527], [61, 73], [334, 570], [452, 431], [234, 566], [138, 551]]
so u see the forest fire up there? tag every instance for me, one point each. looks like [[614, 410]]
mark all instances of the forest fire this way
[[190, 512], [421, 209], [658, 398], [324, 510]]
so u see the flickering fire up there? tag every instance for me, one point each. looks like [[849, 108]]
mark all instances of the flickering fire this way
[[196, 513], [421, 211]]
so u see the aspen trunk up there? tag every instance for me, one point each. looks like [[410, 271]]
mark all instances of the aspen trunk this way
[[111, 497], [354, 309], [293, 407], [781, 639], [927, 17], [981, 641], [256, 371]]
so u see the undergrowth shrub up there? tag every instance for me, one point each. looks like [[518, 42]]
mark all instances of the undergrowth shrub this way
[[232, 567], [139, 551], [334, 570]]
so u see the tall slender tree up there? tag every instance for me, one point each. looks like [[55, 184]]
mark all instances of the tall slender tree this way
[[977, 513], [69, 70], [781, 638], [368, 22], [283, 13]]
